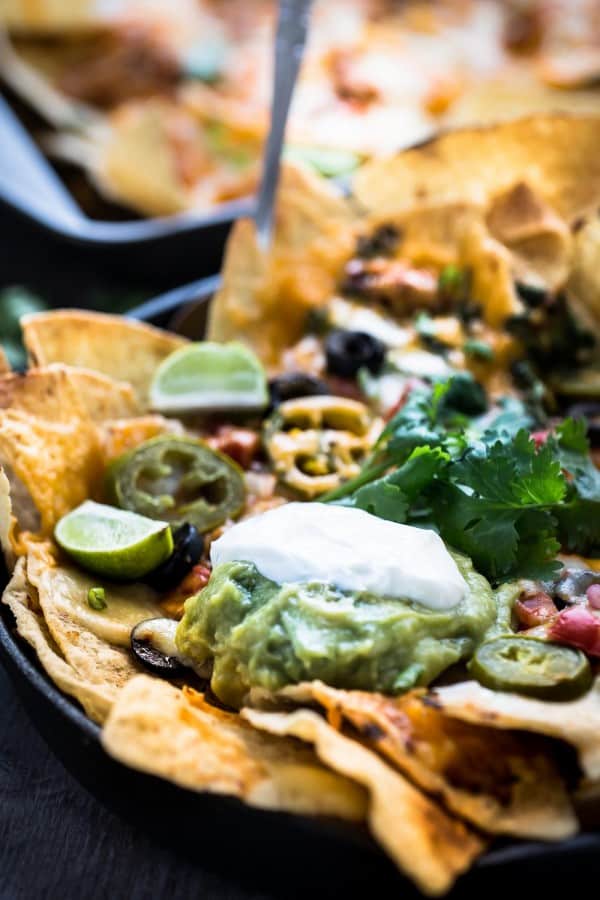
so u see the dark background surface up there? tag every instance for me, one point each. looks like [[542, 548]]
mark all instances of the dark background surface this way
[[57, 840]]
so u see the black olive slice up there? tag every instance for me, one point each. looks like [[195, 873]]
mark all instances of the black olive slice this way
[[349, 351], [572, 584], [188, 546], [153, 645], [292, 385]]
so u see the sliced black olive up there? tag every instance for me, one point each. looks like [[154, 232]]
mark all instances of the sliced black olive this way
[[349, 351], [153, 645], [292, 385], [383, 242], [572, 584], [533, 295], [187, 551]]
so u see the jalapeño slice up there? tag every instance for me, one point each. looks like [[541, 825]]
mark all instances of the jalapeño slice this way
[[177, 479], [531, 666]]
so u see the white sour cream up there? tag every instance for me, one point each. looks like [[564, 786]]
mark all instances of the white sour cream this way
[[348, 548]]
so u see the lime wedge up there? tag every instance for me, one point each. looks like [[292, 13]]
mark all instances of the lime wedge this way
[[207, 376], [113, 542]]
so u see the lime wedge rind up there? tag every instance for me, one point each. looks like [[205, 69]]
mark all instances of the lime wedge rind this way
[[209, 376], [114, 543]]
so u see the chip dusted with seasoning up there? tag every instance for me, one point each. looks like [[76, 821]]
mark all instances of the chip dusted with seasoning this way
[[177, 735], [498, 782], [424, 841]]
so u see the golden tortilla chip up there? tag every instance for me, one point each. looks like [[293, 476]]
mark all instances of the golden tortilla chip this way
[[84, 651], [137, 164], [584, 283], [49, 447], [6, 521], [120, 435], [428, 845], [51, 16], [492, 279], [265, 298], [548, 152], [21, 597], [577, 722], [103, 397], [63, 594], [501, 783], [157, 728], [120, 348], [538, 238]]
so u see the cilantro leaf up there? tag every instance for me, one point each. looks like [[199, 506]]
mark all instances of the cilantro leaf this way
[[572, 447], [512, 475], [391, 496], [465, 522], [482, 482], [579, 525]]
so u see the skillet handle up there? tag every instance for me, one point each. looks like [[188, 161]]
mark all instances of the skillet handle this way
[[26, 179]]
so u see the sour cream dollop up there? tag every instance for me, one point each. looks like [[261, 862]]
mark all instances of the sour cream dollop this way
[[347, 548]]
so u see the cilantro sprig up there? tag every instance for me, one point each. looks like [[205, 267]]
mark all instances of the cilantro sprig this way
[[482, 482]]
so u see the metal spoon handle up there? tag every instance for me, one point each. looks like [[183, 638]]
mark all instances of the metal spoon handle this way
[[292, 29]]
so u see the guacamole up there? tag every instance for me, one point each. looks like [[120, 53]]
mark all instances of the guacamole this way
[[263, 634]]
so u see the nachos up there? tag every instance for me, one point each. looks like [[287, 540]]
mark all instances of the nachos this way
[[341, 558], [167, 107]]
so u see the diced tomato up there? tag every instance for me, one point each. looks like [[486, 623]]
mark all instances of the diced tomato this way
[[540, 437], [193, 582], [577, 627], [344, 387], [241, 444], [593, 596], [410, 385], [535, 609]]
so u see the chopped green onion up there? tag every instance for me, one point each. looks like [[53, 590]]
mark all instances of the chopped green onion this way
[[97, 598], [451, 278]]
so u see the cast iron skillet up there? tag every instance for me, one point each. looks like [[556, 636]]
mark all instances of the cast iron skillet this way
[[289, 855], [190, 243]]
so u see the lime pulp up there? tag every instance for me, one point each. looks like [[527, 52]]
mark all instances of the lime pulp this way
[[112, 542], [209, 376]]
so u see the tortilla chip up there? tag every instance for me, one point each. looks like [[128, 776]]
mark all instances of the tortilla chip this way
[[549, 152], [137, 165], [429, 234], [264, 298], [503, 784], [21, 597], [492, 279], [577, 722], [63, 596], [584, 283], [49, 447], [84, 651], [157, 728], [6, 521], [51, 15], [428, 845], [120, 348], [538, 238], [120, 435], [103, 397]]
